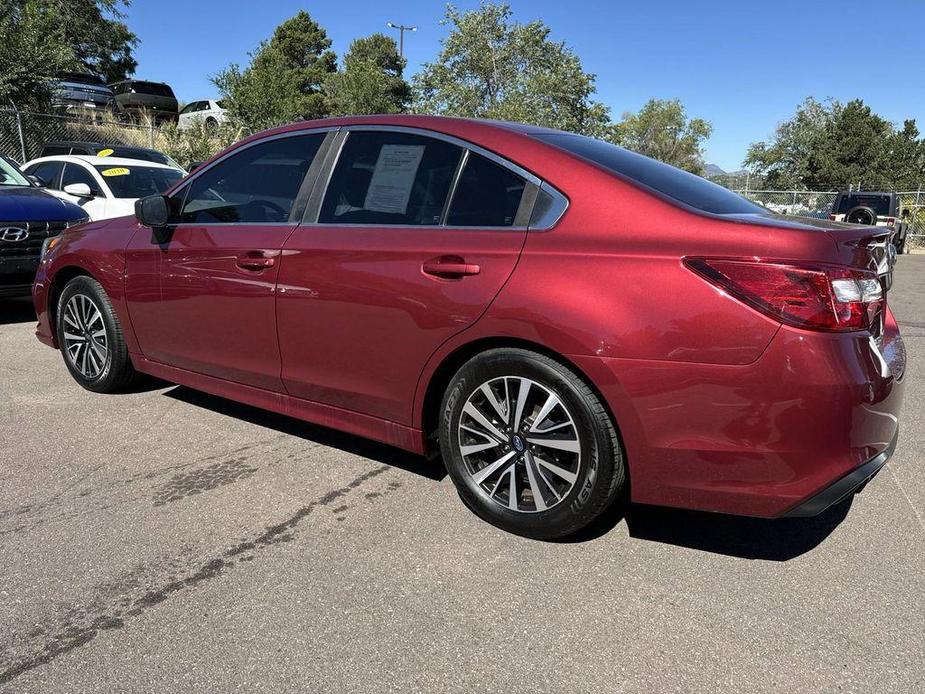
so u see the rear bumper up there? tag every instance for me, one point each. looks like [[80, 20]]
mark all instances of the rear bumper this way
[[844, 487], [760, 439]]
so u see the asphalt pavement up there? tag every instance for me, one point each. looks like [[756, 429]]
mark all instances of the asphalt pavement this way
[[166, 540]]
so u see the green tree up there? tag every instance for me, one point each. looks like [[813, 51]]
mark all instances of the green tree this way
[[853, 148], [834, 145], [907, 157], [662, 130], [41, 38], [371, 81], [284, 80], [491, 66], [785, 161]]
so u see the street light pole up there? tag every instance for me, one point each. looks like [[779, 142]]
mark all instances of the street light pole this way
[[401, 36]]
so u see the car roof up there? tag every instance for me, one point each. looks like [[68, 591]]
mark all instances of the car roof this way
[[102, 161], [98, 145]]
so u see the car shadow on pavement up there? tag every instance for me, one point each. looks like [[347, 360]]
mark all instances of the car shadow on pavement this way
[[380, 452], [735, 536], [738, 536], [18, 310]]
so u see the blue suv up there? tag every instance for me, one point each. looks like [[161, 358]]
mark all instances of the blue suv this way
[[28, 216]]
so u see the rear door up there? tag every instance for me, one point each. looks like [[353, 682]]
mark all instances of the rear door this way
[[387, 268], [214, 271]]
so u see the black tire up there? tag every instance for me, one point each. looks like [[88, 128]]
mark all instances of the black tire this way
[[211, 126], [861, 215], [601, 473], [116, 372]]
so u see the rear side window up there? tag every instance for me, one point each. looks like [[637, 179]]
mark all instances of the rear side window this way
[[387, 178], [684, 187], [487, 195], [259, 184], [48, 172]]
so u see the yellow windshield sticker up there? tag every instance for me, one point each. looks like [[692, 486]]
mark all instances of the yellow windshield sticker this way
[[117, 171], [104, 153]]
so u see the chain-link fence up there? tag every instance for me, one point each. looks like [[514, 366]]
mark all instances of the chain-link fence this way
[[818, 203], [23, 134]]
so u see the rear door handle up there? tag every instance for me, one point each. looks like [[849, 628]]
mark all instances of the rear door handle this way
[[449, 267], [256, 260]]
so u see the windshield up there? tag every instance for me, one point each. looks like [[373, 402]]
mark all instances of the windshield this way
[[679, 185], [10, 175], [878, 203], [138, 181]]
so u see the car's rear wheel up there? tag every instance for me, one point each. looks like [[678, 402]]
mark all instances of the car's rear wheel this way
[[90, 337], [529, 445]]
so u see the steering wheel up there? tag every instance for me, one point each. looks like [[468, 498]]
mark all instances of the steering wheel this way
[[277, 212]]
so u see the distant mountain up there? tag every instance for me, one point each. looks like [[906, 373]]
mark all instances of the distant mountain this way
[[712, 171]]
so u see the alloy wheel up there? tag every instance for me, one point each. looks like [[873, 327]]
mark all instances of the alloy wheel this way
[[520, 444], [86, 343]]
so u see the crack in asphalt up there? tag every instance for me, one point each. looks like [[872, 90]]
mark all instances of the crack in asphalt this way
[[115, 603]]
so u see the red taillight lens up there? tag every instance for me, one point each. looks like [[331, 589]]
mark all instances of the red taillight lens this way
[[815, 297], [832, 217]]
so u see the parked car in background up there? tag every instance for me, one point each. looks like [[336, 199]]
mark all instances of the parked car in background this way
[[874, 208], [509, 295], [100, 149], [137, 97], [28, 217], [103, 186], [209, 112], [77, 90]]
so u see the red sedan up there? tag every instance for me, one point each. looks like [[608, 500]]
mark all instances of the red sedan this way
[[566, 321]]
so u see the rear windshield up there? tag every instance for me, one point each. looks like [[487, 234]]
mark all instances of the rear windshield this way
[[878, 203], [138, 181], [151, 88], [679, 185]]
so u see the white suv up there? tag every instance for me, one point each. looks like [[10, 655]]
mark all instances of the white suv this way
[[208, 111]]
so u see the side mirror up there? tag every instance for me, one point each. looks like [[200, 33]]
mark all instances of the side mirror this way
[[153, 211], [80, 190], [905, 213]]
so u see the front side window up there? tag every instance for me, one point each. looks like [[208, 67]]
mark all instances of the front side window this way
[[48, 172], [257, 185], [137, 181], [390, 178], [75, 173], [487, 195]]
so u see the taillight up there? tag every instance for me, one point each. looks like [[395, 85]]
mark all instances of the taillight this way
[[890, 221], [832, 217], [810, 296]]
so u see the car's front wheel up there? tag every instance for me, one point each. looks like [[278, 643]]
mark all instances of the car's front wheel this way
[[529, 445], [90, 337]]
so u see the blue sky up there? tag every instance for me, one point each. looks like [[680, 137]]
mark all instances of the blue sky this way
[[742, 65]]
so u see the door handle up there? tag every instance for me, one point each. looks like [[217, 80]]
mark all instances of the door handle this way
[[449, 267], [255, 260]]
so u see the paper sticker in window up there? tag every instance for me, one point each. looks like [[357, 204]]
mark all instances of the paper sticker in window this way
[[393, 178]]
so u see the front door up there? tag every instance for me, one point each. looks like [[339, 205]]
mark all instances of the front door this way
[[214, 272], [390, 271]]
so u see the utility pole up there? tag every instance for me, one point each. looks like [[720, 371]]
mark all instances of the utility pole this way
[[401, 36]]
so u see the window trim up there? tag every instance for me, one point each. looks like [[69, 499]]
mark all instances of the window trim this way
[[178, 195], [313, 209]]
